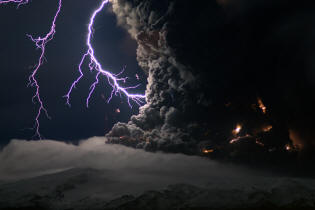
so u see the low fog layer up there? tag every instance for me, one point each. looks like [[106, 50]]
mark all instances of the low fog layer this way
[[22, 159], [55, 175]]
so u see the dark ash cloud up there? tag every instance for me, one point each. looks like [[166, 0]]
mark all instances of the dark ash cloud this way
[[209, 63]]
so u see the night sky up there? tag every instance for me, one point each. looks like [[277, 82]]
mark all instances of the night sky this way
[[113, 47], [229, 112]]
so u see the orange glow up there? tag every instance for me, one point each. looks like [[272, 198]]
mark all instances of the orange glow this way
[[296, 139], [267, 128], [261, 105], [237, 130], [234, 140], [288, 147], [260, 143], [239, 138], [206, 151]]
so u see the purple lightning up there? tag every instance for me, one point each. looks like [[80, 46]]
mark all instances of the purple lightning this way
[[41, 43], [19, 2], [113, 79]]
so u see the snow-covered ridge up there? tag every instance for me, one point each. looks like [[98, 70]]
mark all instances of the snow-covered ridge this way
[[98, 189], [94, 175]]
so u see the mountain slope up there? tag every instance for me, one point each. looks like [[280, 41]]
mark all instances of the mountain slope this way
[[101, 189]]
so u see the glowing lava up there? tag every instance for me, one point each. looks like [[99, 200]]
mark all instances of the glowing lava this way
[[288, 147], [237, 130], [207, 151], [267, 128], [261, 105], [113, 79], [260, 143]]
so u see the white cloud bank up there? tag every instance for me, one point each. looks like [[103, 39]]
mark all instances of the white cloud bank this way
[[101, 172], [22, 159]]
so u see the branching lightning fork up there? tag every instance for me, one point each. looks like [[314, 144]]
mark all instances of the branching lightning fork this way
[[41, 43], [113, 79]]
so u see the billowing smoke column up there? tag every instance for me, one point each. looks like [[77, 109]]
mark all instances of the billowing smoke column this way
[[230, 79], [225, 78]]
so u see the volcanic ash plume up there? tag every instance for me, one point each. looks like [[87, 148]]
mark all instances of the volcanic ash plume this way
[[209, 69]]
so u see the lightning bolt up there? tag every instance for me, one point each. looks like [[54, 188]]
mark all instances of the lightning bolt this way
[[113, 79], [40, 43], [19, 2]]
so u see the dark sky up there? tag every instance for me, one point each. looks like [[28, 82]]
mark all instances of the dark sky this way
[[113, 46]]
